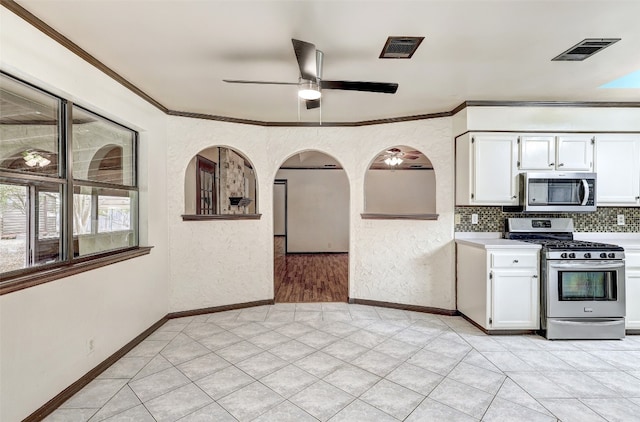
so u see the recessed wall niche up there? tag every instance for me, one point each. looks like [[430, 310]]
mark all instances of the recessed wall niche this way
[[220, 181], [400, 183]]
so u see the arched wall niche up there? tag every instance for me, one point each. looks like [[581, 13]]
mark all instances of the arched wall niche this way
[[220, 180], [400, 182]]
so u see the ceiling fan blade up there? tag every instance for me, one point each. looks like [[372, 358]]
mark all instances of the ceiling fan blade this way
[[241, 81], [383, 87], [312, 104], [306, 56]]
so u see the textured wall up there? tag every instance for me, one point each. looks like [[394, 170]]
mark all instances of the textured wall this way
[[604, 220], [220, 262], [46, 328]]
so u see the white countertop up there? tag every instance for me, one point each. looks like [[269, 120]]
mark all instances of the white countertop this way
[[496, 243]]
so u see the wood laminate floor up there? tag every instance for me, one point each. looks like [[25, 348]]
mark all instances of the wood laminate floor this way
[[318, 277]]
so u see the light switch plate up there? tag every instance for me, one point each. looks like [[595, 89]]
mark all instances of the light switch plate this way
[[474, 218], [621, 219]]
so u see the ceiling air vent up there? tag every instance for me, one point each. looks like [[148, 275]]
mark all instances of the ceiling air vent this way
[[585, 48], [400, 47]]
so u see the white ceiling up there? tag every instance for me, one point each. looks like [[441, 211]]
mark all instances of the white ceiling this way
[[179, 51]]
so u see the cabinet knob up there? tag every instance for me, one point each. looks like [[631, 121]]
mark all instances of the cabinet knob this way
[[515, 261], [637, 197], [535, 276], [561, 165], [551, 164], [514, 197]]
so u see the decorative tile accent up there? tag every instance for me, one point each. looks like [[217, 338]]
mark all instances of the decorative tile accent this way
[[603, 220]]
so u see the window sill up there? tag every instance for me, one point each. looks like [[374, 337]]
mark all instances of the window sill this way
[[377, 216], [196, 217], [41, 275]]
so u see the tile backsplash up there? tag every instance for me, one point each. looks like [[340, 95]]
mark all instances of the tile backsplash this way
[[604, 220]]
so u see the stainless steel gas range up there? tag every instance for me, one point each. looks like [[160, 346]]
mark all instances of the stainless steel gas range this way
[[582, 283]]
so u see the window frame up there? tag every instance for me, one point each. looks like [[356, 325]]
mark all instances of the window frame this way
[[203, 163], [69, 264]]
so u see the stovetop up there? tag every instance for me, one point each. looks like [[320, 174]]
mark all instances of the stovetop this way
[[573, 245], [556, 237]]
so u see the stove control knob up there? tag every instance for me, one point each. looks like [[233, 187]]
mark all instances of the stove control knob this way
[[572, 255], [563, 255], [587, 255], [603, 255], [612, 255]]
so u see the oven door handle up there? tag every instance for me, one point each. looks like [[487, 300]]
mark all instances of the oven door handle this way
[[565, 322], [589, 265], [586, 191]]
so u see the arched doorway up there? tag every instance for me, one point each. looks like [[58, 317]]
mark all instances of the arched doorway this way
[[311, 230]]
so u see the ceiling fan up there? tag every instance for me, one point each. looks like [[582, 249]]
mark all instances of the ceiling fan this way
[[311, 83], [395, 156]]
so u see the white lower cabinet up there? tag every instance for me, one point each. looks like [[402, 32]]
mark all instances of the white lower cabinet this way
[[514, 299], [632, 269], [499, 288]]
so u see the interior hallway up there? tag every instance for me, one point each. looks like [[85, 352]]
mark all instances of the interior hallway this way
[[309, 277]]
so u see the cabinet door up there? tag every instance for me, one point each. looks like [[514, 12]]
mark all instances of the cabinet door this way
[[574, 153], [514, 299], [537, 152], [633, 299], [618, 168], [494, 170]]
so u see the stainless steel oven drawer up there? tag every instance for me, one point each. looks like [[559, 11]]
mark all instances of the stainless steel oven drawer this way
[[585, 328]]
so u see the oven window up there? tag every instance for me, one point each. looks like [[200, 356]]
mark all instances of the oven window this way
[[587, 285]]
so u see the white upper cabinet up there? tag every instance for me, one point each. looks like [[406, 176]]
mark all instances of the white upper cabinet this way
[[574, 153], [486, 169], [562, 153], [618, 170], [537, 152]]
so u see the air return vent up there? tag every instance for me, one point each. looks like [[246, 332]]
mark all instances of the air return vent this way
[[400, 47], [585, 48]]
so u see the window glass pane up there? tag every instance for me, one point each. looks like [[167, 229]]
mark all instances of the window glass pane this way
[[22, 244], [29, 129], [102, 150], [13, 227], [104, 219]]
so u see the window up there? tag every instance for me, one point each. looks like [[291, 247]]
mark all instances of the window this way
[[67, 181], [207, 198]]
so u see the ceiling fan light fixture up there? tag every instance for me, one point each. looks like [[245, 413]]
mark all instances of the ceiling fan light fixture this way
[[309, 91], [393, 161]]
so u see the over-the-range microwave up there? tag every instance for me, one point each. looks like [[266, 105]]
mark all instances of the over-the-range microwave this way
[[558, 192]]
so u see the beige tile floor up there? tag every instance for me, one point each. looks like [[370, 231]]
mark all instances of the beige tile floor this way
[[340, 362]]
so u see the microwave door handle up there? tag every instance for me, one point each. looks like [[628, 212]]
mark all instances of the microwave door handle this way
[[585, 189]]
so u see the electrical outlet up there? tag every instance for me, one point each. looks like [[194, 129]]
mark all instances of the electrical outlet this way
[[621, 219], [91, 345], [456, 219], [474, 218]]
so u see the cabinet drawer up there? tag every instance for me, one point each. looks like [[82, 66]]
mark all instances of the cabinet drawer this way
[[511, 260]]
